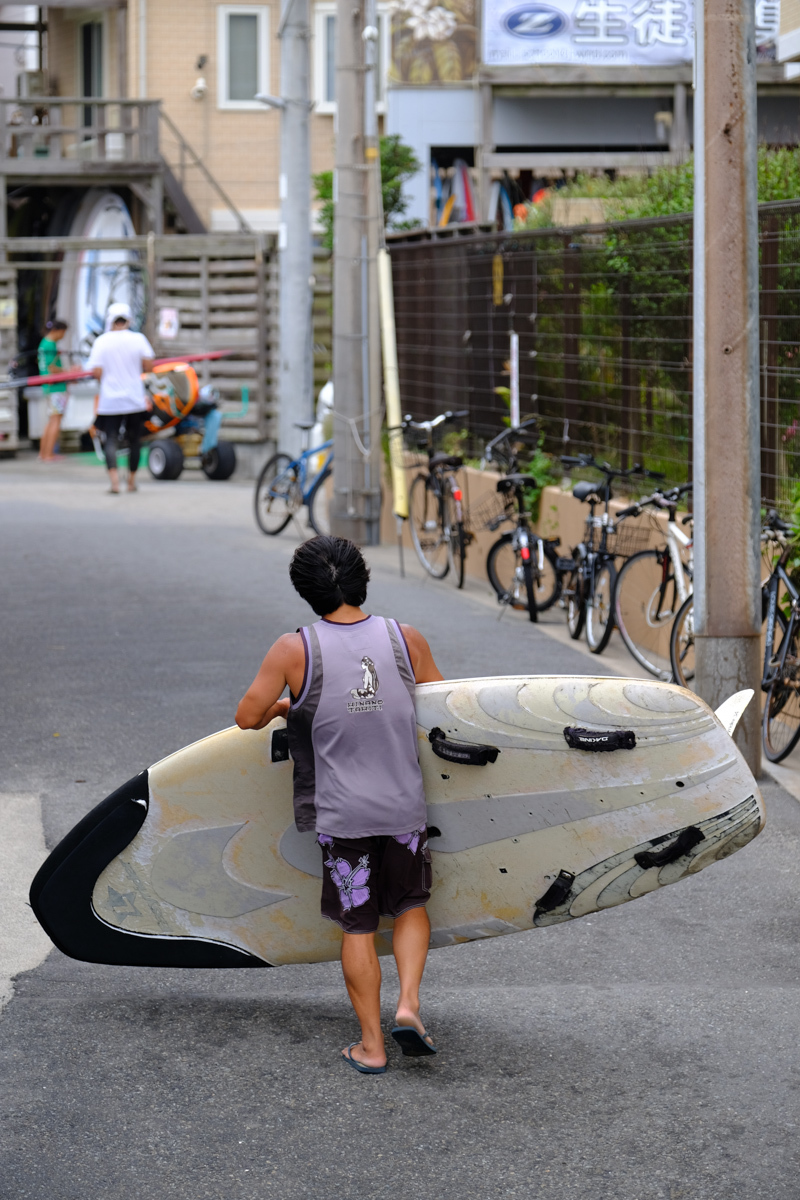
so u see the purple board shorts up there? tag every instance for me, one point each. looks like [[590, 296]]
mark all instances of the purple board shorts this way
[[364, 879]]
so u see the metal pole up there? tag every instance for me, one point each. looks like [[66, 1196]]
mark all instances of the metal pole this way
[[347, 515], [374, 240], [295, 368], [727, 608]]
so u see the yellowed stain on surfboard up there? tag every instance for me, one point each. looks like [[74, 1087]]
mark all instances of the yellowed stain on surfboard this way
[[218, 857]]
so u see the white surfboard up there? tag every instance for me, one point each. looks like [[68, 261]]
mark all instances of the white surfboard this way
[[548, 798]]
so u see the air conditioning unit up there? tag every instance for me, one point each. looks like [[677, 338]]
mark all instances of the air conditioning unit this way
[[31, 84]]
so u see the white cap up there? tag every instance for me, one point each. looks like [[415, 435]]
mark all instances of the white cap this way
[[117, 312]]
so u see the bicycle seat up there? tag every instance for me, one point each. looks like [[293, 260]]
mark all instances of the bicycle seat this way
[[304, 424], [582, 491], [508, 482], [440, 459]]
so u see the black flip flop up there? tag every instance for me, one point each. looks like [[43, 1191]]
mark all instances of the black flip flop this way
[[362, 1067], [412, 1042]]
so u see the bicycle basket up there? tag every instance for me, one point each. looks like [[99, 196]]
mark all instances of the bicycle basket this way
[[488, 513], [629, 538]]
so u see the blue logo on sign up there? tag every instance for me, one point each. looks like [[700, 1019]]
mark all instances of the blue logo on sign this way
[[535, 21]]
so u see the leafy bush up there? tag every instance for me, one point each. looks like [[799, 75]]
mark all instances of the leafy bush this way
[[398, 163]]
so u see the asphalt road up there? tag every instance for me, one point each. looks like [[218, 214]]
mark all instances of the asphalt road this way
[[648, 1052]]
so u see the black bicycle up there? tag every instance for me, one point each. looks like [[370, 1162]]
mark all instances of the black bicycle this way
[[435, 505], [782, 709], [591, 584], [523, 568]]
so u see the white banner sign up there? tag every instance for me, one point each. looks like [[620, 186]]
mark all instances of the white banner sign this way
[[613, 33]]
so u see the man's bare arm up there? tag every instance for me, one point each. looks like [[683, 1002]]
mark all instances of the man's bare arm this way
[[425, 669], [147, 365], [284, 663], [97, 372]]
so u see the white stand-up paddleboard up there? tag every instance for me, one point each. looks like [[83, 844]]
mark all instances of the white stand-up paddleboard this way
[[548, 798]]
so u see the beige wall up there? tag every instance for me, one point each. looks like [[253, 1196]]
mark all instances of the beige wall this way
[[240, 148], [790, 16], [63, 49]]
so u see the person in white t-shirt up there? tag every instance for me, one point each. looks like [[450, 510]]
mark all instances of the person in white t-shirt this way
[[118, 359]]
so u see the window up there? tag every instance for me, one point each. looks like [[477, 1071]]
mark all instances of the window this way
[[325, 55], [242, 55]]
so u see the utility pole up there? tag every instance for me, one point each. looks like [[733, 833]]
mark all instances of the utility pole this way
[[727, 485], [295, 359], [356, 487]]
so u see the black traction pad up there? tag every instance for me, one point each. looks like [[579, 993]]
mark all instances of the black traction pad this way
[[471, 754], [61, 895], [598, 740]]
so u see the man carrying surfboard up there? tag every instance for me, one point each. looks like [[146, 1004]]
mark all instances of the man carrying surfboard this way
[[357, 780]]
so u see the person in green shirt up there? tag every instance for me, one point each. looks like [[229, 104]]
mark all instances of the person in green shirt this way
[[50, 364]]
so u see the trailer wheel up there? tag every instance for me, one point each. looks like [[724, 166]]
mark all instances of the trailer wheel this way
[[220, 462], [165, 460]]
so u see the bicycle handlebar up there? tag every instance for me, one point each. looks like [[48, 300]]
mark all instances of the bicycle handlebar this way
[[409, 423], [514, 431]]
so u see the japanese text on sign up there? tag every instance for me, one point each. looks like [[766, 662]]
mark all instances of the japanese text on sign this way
[[604, 32]]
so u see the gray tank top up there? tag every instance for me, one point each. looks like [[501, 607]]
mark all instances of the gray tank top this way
[[353, 733]]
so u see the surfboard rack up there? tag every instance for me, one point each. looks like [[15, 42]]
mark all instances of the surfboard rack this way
[[471, 754], [598, 740]]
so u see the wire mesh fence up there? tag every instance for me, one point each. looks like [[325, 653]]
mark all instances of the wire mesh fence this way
[[602, 321]]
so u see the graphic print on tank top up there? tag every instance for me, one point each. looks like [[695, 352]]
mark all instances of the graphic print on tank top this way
[[364, 697]]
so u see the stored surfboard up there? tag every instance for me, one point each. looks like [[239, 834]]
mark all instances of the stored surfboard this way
[[548, 798]]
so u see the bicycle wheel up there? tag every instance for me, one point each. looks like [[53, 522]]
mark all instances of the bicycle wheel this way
[[319, 504], [600, 608], [457, 540], [427, 527], [574, 593], [645, 604], [681, 642], [277, 495], [781, 720], [504, 568]]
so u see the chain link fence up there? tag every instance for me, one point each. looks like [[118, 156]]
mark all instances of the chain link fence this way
[[602, 318]]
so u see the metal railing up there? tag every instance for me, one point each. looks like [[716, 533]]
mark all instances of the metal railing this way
[[51, 134], [603, 318]]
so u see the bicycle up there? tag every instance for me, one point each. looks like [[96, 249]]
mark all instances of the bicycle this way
[[525, 580], [591, 583], [435, 506], [681, 646], [285, 484], [653, 584]]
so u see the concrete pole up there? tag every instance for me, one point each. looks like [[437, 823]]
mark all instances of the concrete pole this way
[[347, 515], [727, 610], [295, 368]]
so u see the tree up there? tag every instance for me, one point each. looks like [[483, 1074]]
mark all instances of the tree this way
[[398, 163]]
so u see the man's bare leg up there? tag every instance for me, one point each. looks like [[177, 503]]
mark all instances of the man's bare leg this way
[[412, 934], [131, 481], [362, 975], [113, 475]]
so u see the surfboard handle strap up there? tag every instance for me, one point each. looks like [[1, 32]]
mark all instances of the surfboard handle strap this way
[[686, 840], [556, 894], [599, 740], [471, 754]]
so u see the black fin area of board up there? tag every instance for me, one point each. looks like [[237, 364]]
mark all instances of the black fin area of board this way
[[598, 740], [470, 754], [61, 895]]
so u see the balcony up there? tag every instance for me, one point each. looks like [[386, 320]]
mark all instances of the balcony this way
[[68, 140]]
